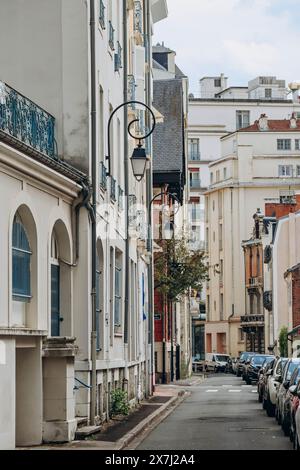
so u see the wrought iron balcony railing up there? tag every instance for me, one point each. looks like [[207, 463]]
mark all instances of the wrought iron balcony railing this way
[[103, 176], [194, 156], [102, 14], [132, 200], [131, 89], [252, 319], [118, 57], [268, 300], [195, 183], [111, 36], [24, 122], [120, 198], [113, 185], [138, 16]]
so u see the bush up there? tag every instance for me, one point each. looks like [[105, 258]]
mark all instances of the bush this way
[[283, 341], [119, 402]]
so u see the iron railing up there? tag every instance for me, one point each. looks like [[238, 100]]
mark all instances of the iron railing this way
[[103, 176], [118, 57], [195, 183], [194, 156], [120, 198], [131, 85], [111, 36], [138, 17], [23, 120], [102, 14], [113, 185], [252, 319], [132, 200]]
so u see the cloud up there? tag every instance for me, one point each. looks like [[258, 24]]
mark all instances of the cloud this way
[[242, 38]]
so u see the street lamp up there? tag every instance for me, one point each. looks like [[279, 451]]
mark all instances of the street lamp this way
[[139, 157]]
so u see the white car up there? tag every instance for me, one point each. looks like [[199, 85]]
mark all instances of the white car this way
[[216, 361], [297, 422], [273, 382]]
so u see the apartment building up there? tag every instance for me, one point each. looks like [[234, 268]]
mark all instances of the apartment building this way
[[259, 164]]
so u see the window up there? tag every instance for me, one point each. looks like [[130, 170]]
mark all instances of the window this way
[[224, 173], [217, 82], [298, 171], [98, 302], [194, 153], [211, 178], [283, 144], [268, 93], [241, 335], [242, 119], [55, 287], [285, 171], [297, 144], [220, 237], [221, 307], [218, 176], [118, 291], [195, 179], [21, 255]]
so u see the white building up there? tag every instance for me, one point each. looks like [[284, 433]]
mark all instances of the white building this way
[[259, 164], [53, 68]]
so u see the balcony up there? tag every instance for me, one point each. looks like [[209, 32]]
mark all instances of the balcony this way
[[254, 282], [268, 300], [111, 36], [132, 201], [24, 124], [131, 89], [102, 14], [113, 185], [195, 183], [252, 320], [103, 176], [138, 17], [118, 57], [194, 156]]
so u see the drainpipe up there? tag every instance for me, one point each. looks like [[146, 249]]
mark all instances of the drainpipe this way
[[126, 179], [94, 209], [149, 195]]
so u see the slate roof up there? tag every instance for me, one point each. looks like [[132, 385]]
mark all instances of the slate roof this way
[[168, 143]]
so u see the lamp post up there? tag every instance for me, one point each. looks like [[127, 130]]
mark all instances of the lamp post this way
[[139, 157]]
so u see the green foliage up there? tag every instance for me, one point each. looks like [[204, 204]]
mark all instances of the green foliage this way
[[283, 341], [119, 402], [178, 269]]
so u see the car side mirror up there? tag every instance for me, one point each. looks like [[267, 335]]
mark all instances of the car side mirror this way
[[270, 372], [286, 384], [293, 389]]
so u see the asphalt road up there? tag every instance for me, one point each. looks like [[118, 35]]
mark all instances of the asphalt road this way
[[222, 413]]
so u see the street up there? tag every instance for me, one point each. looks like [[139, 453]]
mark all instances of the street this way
[[222, 413]]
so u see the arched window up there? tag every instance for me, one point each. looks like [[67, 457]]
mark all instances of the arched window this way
[[21, 256], [55, 287], [98, 300]]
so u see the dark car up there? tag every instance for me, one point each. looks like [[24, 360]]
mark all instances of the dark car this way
[[280, 413], [256, 362], [241, 361], [287, 403], [263, 377]]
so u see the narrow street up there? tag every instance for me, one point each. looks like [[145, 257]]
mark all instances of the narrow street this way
[[222, 413]]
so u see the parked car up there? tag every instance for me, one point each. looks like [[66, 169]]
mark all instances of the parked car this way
[[287, 402], [252, 369], [241, 361], [230, 366], [297, 422], [246, 365], [262, 377], [289, 368], [295, 402], [272, 384], [216, 362]]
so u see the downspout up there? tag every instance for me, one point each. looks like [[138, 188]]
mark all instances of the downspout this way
[[126, 178], [93, 210], [149, 195]]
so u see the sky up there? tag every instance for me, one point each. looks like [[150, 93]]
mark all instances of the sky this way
[[240, 38]]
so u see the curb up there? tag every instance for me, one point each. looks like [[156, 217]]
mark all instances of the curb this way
[[162, 412]]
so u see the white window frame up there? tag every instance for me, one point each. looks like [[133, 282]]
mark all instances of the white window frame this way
[[281, 144], [285, 171]]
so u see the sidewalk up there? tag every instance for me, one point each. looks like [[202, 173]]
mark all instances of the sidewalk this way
[[118, 434]]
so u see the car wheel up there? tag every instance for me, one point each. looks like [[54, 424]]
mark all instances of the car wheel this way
[[270, 409], [238, 374], [248, 381], [260, 398], [278, 417], [285, 427], [296, 442], [264, 404]]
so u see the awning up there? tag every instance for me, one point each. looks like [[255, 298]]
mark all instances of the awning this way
[[295, 331]]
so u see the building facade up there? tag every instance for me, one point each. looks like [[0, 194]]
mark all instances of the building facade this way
[[96, 65], [259, 165]]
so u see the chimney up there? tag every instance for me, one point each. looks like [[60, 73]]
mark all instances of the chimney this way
[[293, 121], [263, 122]]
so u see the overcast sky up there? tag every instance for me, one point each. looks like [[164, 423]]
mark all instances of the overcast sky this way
[[241, 38]]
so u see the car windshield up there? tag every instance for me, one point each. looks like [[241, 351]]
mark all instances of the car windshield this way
[[222, 358], [296, 376], [258, 360], [291, 367], [244, 356]]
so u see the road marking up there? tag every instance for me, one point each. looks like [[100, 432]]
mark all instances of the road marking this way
[[211, 391], [235, 391], [254, 391]]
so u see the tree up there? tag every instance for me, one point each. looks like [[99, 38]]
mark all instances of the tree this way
[[178, 269], [283, 341]]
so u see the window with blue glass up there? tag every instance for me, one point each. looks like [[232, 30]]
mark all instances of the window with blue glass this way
[[21, 256], [98, 302], [55, 288]]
